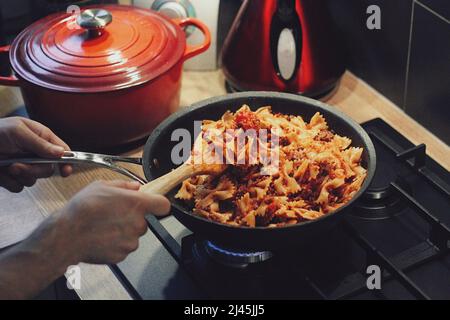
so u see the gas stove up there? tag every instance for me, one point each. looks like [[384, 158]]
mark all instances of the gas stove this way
[[401, 225]]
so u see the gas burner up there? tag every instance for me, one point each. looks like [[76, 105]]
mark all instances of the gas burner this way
[[381, 202], [234, 257]]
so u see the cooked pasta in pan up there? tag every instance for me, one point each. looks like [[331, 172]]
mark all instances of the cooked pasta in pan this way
[[317, 171]]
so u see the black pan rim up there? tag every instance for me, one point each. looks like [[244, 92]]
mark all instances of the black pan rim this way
[[370, 149]]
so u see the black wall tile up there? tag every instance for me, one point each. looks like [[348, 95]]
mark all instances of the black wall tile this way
[[428, 94], [377, 56], [441, 7]]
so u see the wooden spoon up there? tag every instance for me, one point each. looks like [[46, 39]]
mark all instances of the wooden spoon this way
[[202, 165]]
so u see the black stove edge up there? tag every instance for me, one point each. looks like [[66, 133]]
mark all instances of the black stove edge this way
[[169, 243], [406, 150], [125, 283], [375, 256]]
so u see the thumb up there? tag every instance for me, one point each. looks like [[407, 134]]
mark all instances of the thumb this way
[[154, 203], [129, 185], [32, 142]]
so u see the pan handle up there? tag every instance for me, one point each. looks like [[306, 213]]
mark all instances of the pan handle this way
[[192, 51], [77, 157], [10, 81]]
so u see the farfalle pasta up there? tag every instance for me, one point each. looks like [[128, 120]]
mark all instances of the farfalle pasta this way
[[318, 172]]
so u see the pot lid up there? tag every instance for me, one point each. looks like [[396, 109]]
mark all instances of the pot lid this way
[[102, 49]]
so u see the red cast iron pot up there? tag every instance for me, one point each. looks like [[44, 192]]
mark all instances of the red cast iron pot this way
[[102, 78]]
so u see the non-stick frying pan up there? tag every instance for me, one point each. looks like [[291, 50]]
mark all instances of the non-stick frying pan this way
[[156, 161]]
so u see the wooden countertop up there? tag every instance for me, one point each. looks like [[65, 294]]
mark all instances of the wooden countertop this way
[[353, 97]]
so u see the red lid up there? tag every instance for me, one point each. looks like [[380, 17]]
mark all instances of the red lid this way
[[110, 48]]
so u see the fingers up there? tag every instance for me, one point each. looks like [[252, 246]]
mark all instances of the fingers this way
[[141, 227], [31, 171], [25, 181], [27, 175], [19, 175], [9, 183], [156, 204], [65, 170], [128, 185], [45, 133], [32, 142], [28, 136], [21, 135]]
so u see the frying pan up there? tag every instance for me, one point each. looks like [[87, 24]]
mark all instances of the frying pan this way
[[156, 161]]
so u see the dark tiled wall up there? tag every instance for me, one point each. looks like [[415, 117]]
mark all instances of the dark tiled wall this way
[[377, 56], [427, 92], [441, 7], [408, 60]]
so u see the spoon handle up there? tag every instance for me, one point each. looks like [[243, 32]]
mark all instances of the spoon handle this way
[[167, 182]]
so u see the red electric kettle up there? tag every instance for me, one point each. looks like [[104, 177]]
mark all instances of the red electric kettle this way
[[282, 45]]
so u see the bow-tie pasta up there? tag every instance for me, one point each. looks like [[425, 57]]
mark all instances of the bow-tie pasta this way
[[318, 171]]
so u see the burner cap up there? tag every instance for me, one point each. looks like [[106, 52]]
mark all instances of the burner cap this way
[[381, 202], [379, 188], [235, 257]]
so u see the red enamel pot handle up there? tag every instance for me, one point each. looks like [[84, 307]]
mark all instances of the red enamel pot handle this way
[[192, 51], [11, 80]]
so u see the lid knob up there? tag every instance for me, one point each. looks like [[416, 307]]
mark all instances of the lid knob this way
[[94, 21]]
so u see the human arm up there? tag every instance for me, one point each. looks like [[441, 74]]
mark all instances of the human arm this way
[[101, 224]]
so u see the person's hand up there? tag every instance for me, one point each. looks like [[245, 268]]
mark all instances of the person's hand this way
[[103, 223], [20, 136]]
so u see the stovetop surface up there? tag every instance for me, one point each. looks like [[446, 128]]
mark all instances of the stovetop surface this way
[[406, 234]]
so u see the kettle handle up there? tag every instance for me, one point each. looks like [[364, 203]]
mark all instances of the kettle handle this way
[[192, 51], [11, 80]]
